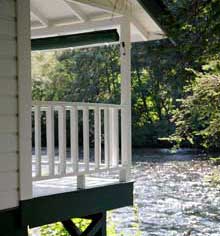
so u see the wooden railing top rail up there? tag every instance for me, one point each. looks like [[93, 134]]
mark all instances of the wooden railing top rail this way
[[79, 105]]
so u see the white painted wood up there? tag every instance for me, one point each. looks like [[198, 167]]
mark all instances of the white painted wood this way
[[107, 156], [86, 137], [8, 181], [8, 105], [91, 171], [133, 11], [68, 184], [125, 49], [50, 139], [76, 11], [74, 137], [8, 67], [81, 182], [43, 20], [107, 6], [8, 28], [8, 125], [8, 87], [122, 7], [7, 8], [7, 48], [76, 167], [37, 132], [114, 137], [8, 199], [24, 97], [8, 143], [62, 139], [80, 105], [97, 137], [9, 162], [87, 26]]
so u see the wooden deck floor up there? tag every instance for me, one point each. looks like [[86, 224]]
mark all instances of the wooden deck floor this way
[[67, 184]]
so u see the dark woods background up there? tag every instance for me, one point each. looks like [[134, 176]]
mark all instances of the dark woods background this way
[[175, 87]]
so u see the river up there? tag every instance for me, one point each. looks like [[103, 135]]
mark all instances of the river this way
[[172, 196]]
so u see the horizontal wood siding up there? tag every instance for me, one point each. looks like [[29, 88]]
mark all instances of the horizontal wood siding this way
[[8, 67], [8, 28], [8, 87], [7, 48], [8, 162], [8, 124], [11, 183], [7, 8], [8, 106], [8, 199]]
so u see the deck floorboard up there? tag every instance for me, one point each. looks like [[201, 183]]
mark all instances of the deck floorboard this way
[[67, 184]]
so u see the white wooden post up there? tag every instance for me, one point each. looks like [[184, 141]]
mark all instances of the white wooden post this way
[[114, 137], [81, 182], [62, 139], [125, 49], [24, 98], [106, 138], [86, 137], [37, 132], [50, 139], [74, 137]]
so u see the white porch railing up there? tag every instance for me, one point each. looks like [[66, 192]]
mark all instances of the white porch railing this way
[[100, 122]]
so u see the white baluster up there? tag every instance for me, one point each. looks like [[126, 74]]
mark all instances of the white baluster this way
[[50, 139], [62, 139], [37, 130], [114, 137], [86, 137], [97, 137], [74, 138], [106, 137]]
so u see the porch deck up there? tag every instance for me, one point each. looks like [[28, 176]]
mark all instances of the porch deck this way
[[67, 184]]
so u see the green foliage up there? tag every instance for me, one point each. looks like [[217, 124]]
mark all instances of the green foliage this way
[[159, 73], [197, 118], [57, 229], [215, 160]]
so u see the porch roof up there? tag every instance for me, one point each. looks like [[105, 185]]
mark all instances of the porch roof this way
[[67, 17]]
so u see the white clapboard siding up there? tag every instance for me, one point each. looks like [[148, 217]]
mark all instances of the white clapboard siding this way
[[8, 67], [8, 143], [7, 47], [7, 8], [8, 199], [8, 28], [8, 162], [8, 105], [8, 181], [8, 124], [8, 87]]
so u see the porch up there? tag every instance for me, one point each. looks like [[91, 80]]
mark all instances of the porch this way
[[42, 187], [95, 137]]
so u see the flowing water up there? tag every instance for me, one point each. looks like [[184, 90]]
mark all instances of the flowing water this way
[[172, 196]]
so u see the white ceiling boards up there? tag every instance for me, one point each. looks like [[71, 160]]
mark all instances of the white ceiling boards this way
[[65, 17]]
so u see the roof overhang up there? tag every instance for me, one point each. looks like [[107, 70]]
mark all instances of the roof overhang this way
[[52, 18]]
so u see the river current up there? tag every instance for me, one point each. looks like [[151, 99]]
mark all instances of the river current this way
[[173, 196]]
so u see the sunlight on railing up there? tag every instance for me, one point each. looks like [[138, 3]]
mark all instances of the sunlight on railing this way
[[92, 132]]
